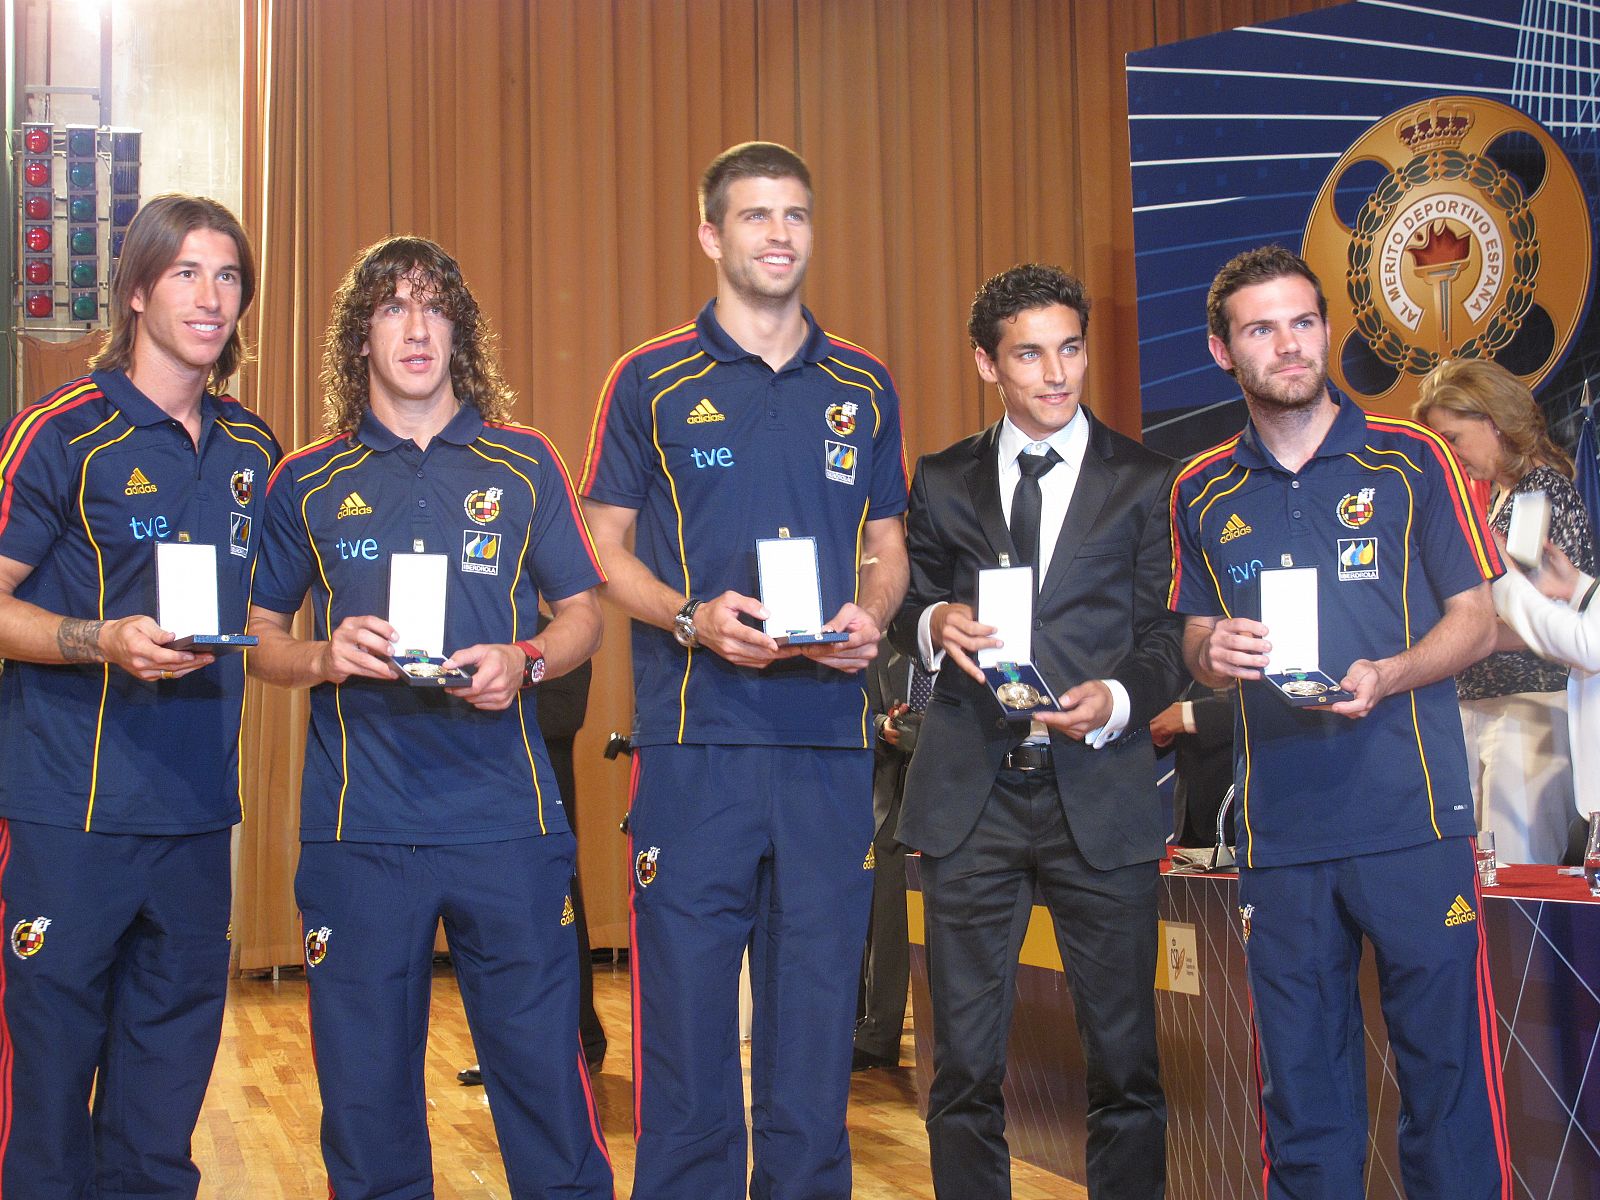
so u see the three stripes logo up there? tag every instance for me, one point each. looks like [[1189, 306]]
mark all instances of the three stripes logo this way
[[139, 484], [704, 413], [1460, 913], [1234, 528], [353, 506]]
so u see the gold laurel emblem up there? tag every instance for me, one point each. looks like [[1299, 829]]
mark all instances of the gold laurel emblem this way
[[1018, 695], [1446, 257]]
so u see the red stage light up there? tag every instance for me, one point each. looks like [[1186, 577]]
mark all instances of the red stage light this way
[[38, 237], [38, 208], [37, 174], [40, 305], [37, 270], [36, 141]]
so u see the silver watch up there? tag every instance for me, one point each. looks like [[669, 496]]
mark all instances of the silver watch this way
[[683, 624]]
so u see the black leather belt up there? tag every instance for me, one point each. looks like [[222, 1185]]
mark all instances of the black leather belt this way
[[1030, 756]]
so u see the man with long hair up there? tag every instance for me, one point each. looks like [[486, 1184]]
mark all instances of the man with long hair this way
[[119, 770], [751, 818], [422, 803]]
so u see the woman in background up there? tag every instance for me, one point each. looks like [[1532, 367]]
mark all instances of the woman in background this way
[[1513, 703]]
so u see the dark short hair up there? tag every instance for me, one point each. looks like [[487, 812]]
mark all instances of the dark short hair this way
[[373, 278], [1024, 287], [1261, 265], [748, 160], [151, 246]]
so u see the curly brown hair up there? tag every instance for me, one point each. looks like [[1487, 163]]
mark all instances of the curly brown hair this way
[[434, 275]]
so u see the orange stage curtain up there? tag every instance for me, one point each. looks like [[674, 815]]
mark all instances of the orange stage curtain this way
[[554, 147]]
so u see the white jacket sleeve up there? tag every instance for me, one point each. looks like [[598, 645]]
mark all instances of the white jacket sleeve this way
[[1552, 629]]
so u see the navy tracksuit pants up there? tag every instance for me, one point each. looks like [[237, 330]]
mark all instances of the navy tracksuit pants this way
[[1304, 924], [370, 912], [762, 847], [113, 980]]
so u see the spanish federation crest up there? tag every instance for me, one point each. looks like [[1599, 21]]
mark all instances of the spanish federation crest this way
[[27, 937], [1356, 510], [317, 945], [841, 418], [484, 506], [243, 486], [1474, 243], [644, 866]]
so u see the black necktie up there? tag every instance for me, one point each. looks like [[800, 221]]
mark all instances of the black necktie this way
[[1026, 502], [921, 690]]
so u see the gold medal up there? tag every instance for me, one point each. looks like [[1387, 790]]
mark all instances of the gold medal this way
[[1018, 695], [1304, 687]]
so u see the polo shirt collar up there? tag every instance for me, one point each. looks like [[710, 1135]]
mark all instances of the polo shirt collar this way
[[715, 341], [462, 430], [1347, 433], [138, 408]]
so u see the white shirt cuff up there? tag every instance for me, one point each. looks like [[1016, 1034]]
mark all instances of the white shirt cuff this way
[[1117, 722], [931, 659]]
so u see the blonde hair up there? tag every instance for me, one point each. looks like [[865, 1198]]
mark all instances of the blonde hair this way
[[1480, 387]]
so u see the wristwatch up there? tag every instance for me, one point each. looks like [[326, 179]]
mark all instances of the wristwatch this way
[[533, 668], [683, 624]]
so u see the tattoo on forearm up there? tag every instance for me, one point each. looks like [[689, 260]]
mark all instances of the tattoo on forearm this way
[[78, 640]]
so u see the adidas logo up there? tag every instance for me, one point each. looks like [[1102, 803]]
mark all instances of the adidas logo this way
[[139, 484], [1235, 528], [1460, 913], [352, 506], [704, 413], [870, 863], [568, 916]]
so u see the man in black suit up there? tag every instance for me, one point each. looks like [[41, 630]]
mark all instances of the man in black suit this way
[[1066, 804], [1199, 731], [897, 695]]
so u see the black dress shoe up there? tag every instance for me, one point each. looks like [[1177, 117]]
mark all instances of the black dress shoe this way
[[471, 1077], [862, 1060]]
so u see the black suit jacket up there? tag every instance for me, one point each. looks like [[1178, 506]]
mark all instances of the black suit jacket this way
[[888, 684], [1203, 768], [1100, 614]]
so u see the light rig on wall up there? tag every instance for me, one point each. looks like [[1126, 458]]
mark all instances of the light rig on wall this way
[[78, 188]]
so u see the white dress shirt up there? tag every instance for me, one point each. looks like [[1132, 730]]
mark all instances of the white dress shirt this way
[[1056, 486]]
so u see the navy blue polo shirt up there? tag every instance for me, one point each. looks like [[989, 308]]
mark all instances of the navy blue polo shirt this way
[[91, 478], [714, 449], [414, 766], [1384, 514]]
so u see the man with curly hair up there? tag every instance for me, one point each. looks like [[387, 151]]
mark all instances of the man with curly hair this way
[[419, 803]]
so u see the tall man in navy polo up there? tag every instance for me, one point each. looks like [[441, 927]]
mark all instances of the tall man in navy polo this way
[[425, 803], [119, 770], [1355, 819], [751, 819]]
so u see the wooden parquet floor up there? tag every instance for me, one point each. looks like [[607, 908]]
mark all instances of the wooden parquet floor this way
[[258, 1133]]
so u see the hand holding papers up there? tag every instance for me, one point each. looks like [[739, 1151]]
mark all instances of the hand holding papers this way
[[1289, 611], [186, 599], [791, 591], [1005, 601], [417, 584], [1530, 526]]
